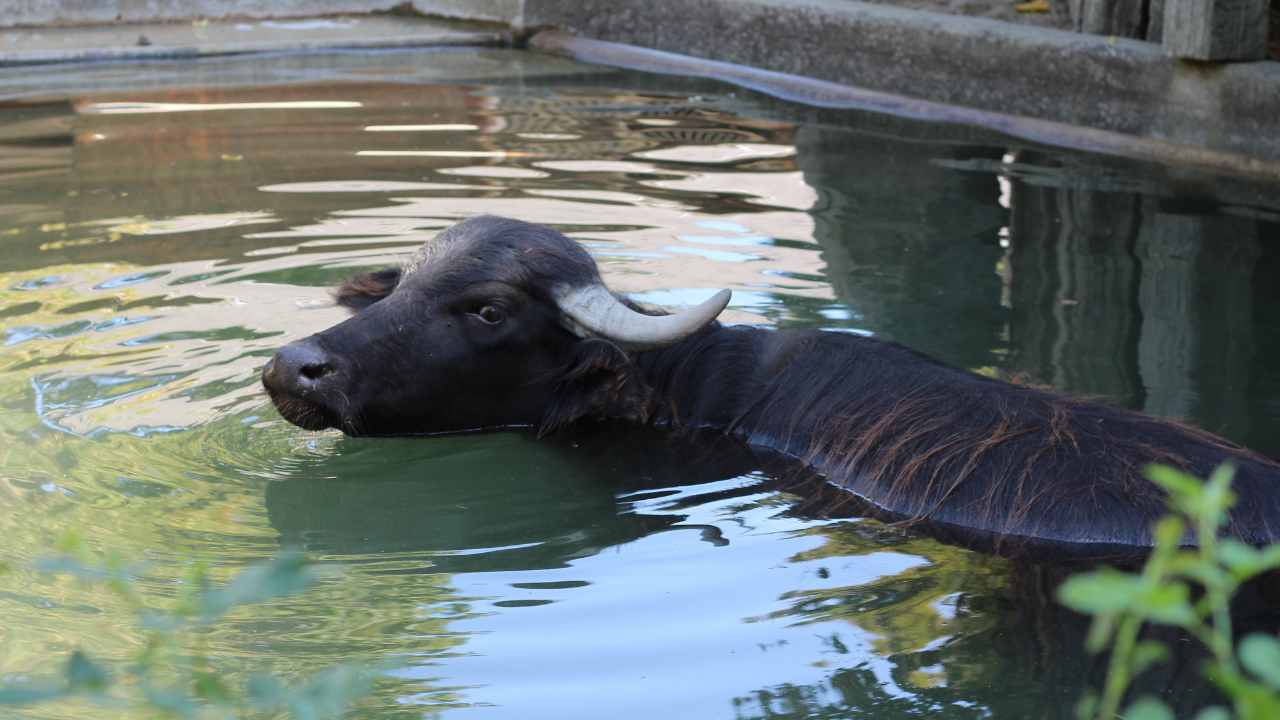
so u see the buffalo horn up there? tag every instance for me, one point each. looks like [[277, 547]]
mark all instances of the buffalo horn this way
[[594, 311]]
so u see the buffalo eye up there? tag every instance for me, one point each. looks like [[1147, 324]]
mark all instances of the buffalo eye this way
[[491, 314]]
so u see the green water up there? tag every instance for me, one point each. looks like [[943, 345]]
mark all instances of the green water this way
[[164, 227]]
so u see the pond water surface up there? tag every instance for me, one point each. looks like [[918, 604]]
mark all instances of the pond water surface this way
[[163, 228]]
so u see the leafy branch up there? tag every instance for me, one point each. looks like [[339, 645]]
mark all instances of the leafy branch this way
[[178, 685], [1187, 582]]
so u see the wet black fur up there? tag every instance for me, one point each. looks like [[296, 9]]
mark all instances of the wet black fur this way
[[1001, 467], [1007, 468]]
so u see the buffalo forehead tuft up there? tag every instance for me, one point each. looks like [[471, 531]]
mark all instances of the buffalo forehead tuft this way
[[494, 248]]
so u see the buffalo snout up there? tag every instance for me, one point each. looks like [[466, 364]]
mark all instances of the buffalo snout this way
[[298, 369], [303, 379]]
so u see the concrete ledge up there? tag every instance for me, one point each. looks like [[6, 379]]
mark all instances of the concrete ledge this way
[[1116, 96], [824, 94], [1121, 86], [33, 13], [174, 40], [31, 85]]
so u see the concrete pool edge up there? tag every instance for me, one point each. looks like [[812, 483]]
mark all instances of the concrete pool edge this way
[[28, 46], [819, 93], [1178, 111], [1107, 95]]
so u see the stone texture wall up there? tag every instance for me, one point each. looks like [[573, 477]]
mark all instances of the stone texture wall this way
[[87, 12]]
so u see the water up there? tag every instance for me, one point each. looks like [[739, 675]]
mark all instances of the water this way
[[163, 228]]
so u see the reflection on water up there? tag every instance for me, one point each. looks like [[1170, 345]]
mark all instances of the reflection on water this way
[[157, 244]]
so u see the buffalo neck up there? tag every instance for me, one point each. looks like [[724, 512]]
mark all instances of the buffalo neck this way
[[774, 389], [708, 381]]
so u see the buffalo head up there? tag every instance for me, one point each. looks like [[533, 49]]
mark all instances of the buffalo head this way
[[493, 323]]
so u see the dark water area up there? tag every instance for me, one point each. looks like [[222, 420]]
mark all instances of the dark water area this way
[[165, 227]]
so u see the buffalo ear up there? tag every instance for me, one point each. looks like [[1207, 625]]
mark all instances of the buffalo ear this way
[[366, 289], [600, 382]]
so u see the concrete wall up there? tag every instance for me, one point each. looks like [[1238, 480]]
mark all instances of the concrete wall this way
[[87, 12], [1128, 88]]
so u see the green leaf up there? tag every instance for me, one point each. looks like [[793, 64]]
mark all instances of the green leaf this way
[[1148, 708], [328, 693], [284, 574], [1146, 654], [116, 576], [68, 565], [1100, 631], [210, 688], [1226, 677], [1247, 562], [1087, 705], [150, 654], [1218, 497], [1260, 655], [1207, 574], [323, 695], [1271, 557], [170, 700], [1214, 712], [1185, 491], [193, 589], [1256, 702], [85, 675], [120, 576], [1168, 604], [159, 621], [30, 693], [1251, 700], [1242, 560], [1101, 591], [1169, 531], [70, 543], [265, 692]]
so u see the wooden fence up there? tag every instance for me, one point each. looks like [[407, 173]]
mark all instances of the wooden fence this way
[[1192, 29]]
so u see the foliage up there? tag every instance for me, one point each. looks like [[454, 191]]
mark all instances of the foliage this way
[[1189, 587], [173, 678]]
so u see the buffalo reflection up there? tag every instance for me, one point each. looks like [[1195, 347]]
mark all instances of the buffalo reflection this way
[[493, 502]]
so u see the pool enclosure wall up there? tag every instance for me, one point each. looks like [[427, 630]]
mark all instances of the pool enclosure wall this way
[[1158, 73]]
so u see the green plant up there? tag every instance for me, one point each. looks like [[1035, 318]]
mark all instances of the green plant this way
[[1189, 587], [171, 676]]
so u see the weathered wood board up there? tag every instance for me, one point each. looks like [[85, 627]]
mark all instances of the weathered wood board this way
[[1216, 29], [1122, 18], [1200, 29]]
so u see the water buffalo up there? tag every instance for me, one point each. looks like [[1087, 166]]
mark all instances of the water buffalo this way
[[497, 323]]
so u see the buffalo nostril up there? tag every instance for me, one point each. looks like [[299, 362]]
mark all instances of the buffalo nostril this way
[[315, 371], [300, 367]]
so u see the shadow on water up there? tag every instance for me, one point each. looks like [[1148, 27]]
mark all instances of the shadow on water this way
[[952, 626], [1096, 277], [486, 503], [1165, 303], [910, 244]]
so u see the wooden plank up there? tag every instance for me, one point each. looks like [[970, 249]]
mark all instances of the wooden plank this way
[[1274, 42], [1122, 18], [1216, 29], [1155, 21]]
